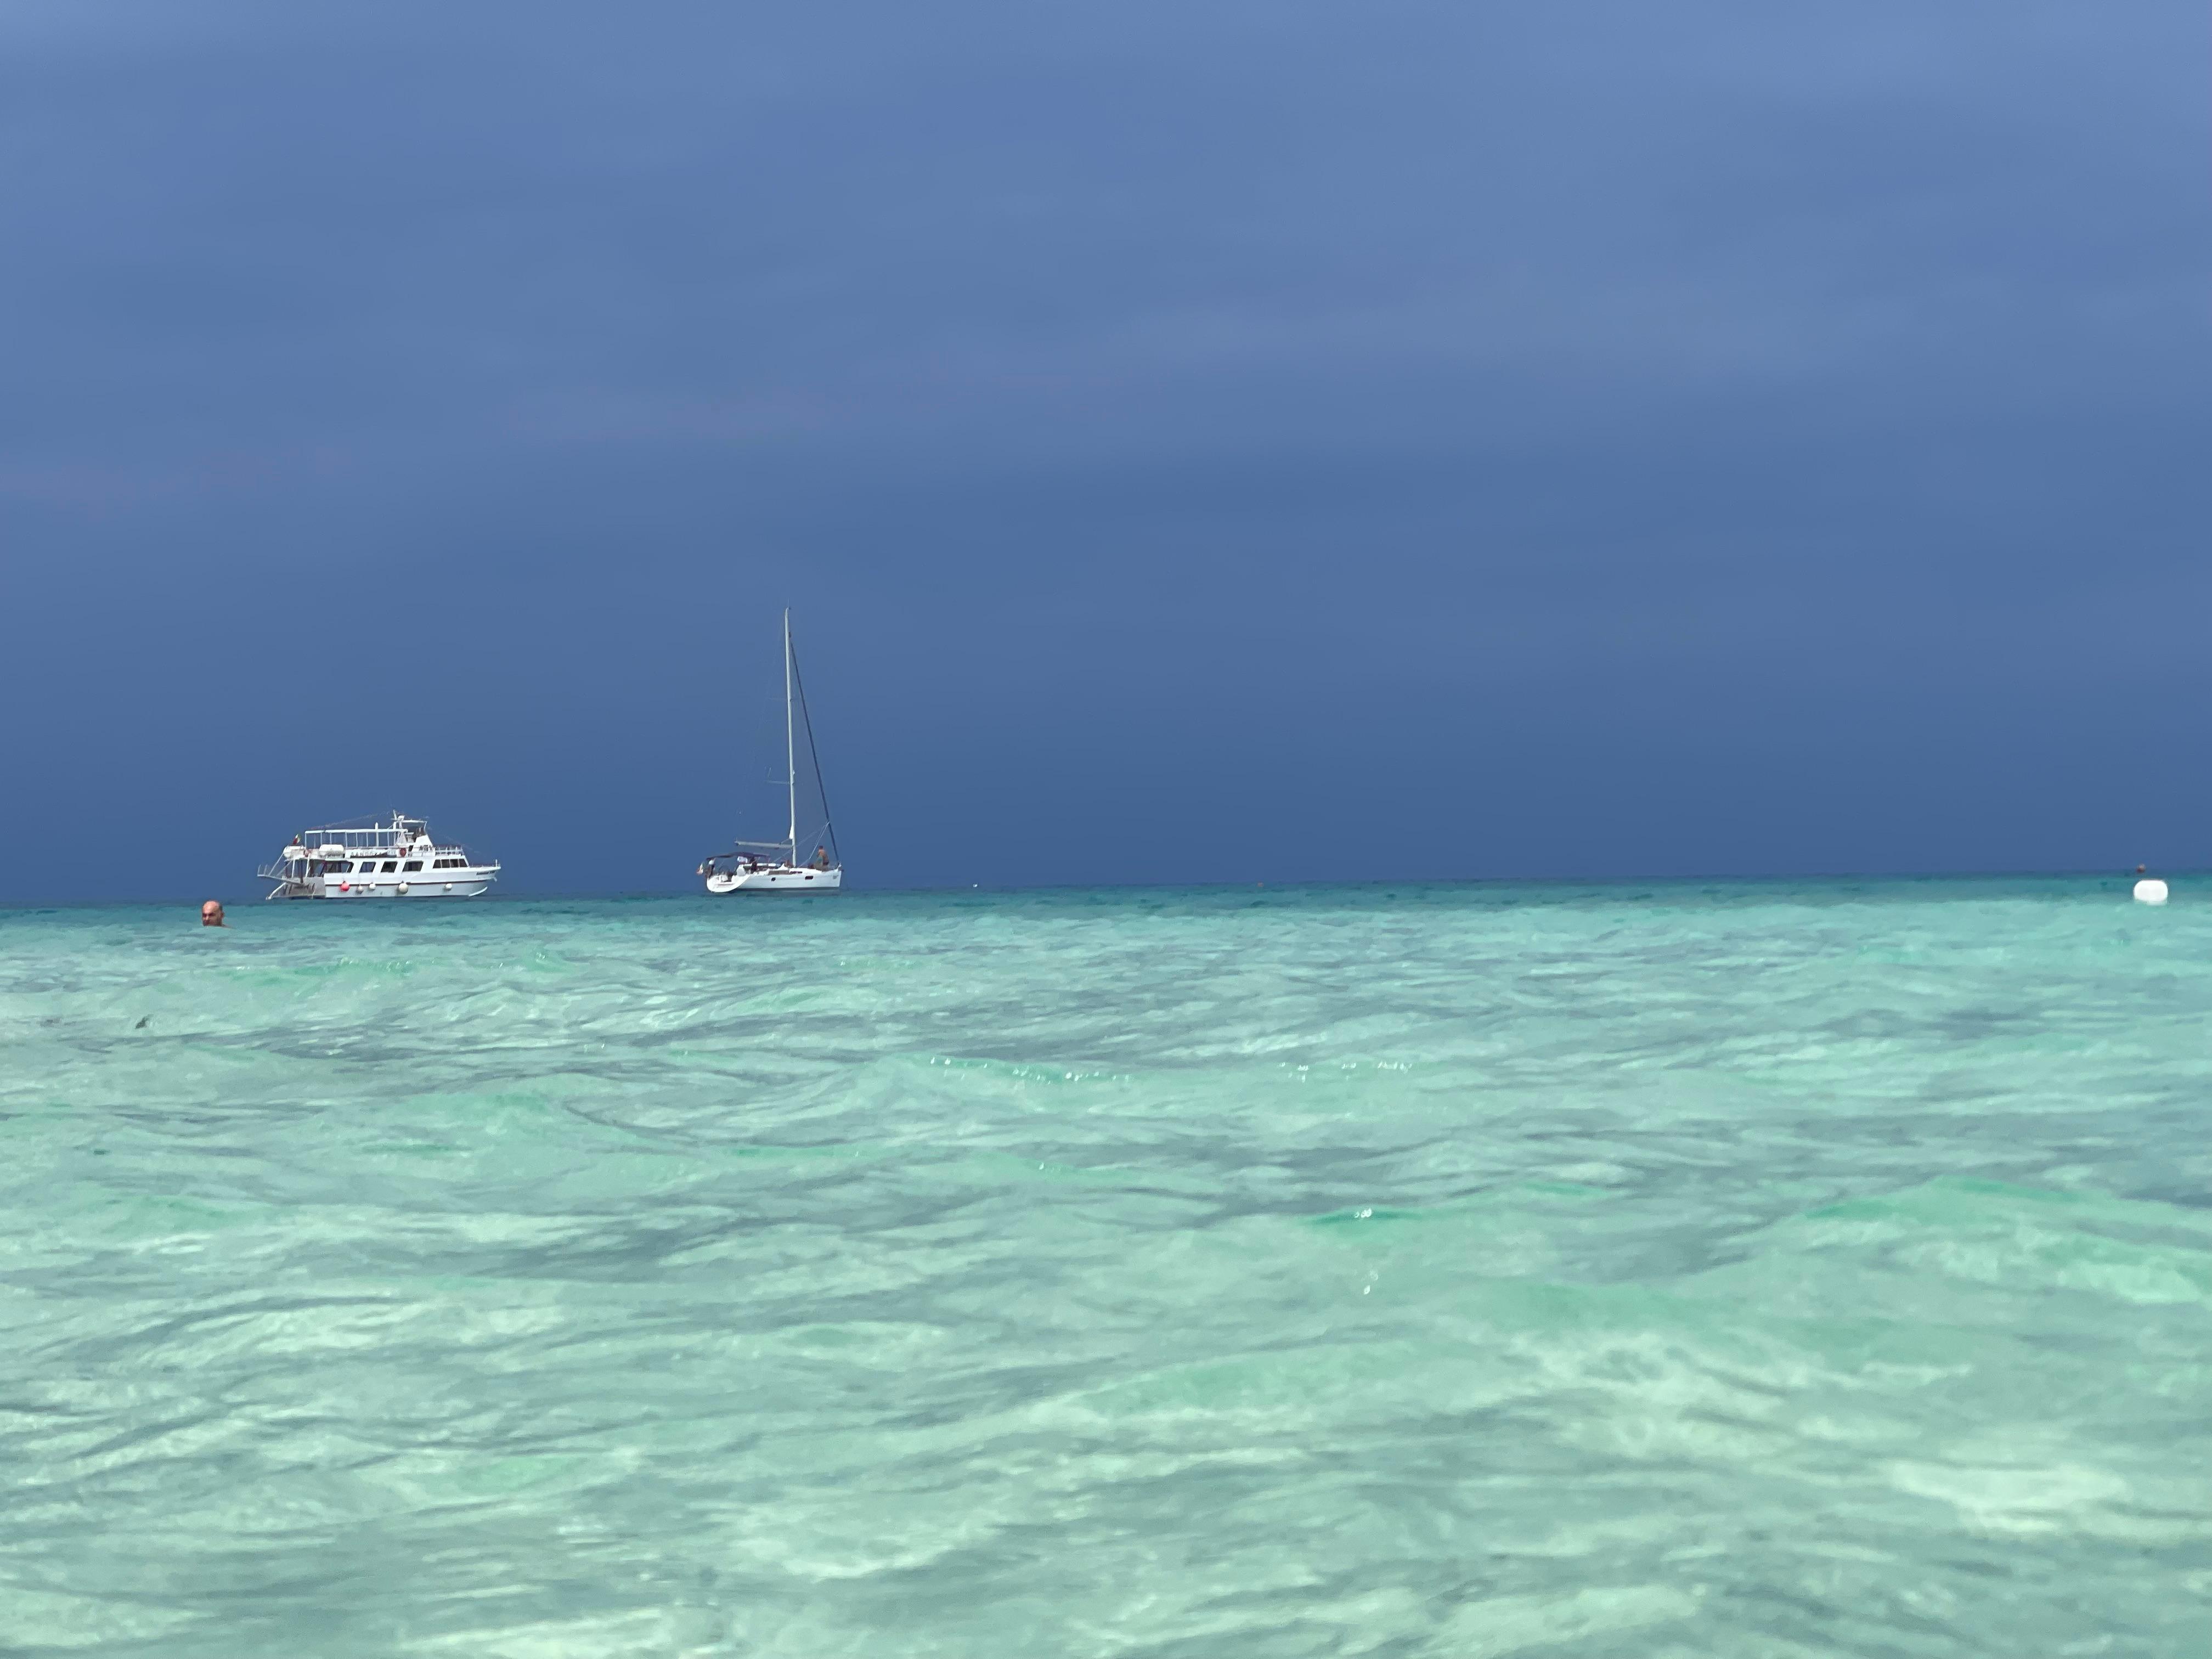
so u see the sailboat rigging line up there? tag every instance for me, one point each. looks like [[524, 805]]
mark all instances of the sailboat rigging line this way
[[790, 753], [806, 719]]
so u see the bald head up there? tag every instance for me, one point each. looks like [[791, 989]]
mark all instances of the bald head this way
[[211, 914]]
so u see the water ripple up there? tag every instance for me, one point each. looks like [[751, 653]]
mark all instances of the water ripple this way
[[1753, 1270]]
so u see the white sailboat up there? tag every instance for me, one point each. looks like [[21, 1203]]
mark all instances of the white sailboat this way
[[775, 866]]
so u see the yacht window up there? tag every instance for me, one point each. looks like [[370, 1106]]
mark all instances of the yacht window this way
[[338, 867], [389, 866], [411, 865]]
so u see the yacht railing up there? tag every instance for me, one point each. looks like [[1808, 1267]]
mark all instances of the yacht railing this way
[[281, 869]]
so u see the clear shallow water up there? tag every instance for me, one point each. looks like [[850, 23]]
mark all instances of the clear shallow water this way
[[1679, 1270]]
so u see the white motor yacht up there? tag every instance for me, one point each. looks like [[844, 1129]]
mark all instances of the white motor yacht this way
[[395, 858], [776, 866]]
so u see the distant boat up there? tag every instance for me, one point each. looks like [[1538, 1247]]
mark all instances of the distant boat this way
[[365, 858], [774, 867]]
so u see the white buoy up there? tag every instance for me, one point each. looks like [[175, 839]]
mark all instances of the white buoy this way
[[2150, 890]]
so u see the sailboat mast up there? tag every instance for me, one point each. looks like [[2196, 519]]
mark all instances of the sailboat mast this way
[[790, 749]]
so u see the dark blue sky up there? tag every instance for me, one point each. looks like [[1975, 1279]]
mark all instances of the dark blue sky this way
[[1198, 441]]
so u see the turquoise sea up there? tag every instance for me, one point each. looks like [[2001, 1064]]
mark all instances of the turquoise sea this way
[[1757, 1269]]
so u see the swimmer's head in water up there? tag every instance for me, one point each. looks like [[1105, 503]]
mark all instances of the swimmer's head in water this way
[[211, 914]]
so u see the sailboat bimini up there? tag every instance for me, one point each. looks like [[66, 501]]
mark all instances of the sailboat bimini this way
[[775, 866]]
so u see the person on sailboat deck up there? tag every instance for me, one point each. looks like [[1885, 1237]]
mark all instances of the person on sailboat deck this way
[[821, 858]]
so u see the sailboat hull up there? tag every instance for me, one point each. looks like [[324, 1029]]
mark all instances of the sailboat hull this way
[[782, 880]]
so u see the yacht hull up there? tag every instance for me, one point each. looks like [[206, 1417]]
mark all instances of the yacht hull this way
[[467, 887]]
